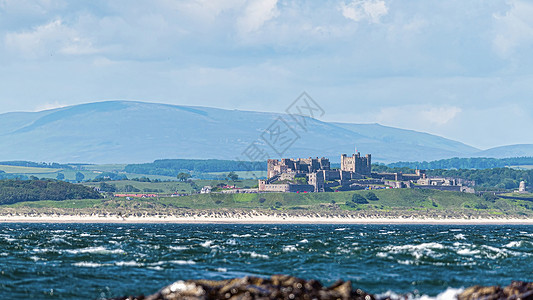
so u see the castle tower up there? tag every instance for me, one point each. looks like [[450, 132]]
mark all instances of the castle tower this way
[[357, 164]]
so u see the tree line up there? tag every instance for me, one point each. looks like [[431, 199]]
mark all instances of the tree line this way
[[172, 167], [31, 164], [465, 163], [13, 191], [496, 178]]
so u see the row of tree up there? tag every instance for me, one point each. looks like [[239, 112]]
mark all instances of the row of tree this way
[[466, 163], [31, 164], [172, 167], [12, 191], [496, 178]]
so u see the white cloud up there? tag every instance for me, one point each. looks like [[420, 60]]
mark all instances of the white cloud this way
[[371, 10], [440, 115], [514, 29], [48, 39], [256, 13]]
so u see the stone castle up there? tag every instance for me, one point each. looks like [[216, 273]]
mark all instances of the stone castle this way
[[355, 172], [313, 174]]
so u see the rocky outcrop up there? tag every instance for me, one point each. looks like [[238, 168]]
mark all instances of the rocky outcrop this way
[[247, 288], [292, 288], [515, 291]]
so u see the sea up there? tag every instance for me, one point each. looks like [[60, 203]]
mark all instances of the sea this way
[[97, 261]]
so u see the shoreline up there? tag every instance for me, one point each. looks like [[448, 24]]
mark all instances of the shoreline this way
[[259, 219]]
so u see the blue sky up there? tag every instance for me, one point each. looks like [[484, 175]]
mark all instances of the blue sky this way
[[459, 69]]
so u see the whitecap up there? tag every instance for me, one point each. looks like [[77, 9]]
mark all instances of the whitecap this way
[[182, 262], [86, 264], [178, 248], [304, 241], [96, 250], [175, 262], [128, 264], [448, 294], [222, 270], [460, 236], [206, 244], [514, 244], [418, 251], [241, 236], [466, 251], [289, 248], [254, 254], [340, 229]]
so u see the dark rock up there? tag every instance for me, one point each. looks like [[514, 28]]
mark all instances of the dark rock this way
[[248, 288], [292, 288], [517, 290]]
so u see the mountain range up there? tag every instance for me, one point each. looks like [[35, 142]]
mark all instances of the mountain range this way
[[132, 132]]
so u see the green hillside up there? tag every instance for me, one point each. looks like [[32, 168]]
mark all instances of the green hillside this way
[[392, 202]]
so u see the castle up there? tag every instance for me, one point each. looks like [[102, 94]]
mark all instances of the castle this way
[[355, 172], [313, 174]]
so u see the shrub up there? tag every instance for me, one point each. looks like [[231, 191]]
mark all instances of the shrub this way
[[371, 196], [358, 199]]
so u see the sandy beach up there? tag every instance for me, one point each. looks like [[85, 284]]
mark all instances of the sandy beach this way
[[257, 219]]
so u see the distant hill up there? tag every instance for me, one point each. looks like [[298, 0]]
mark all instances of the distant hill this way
[[507, 151], [136, 132]]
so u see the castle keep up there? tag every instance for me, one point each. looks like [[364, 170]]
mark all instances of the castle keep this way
[[313, 174]]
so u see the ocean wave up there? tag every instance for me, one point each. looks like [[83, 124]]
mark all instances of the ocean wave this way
[[448, 294], [254, 254], [128, 264], [466, 251], [206, 244], [95, 250], [178, 248], [289, 248], [460, 236], [241, 235], [418, 251], [514, 244], [86, 264]]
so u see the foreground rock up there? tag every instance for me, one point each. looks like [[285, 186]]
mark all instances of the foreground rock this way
[[292, 288], [515, 291], [276, 287]]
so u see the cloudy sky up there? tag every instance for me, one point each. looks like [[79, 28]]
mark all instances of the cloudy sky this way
[[459, 69]]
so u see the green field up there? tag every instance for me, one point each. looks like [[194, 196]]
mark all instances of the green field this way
[[243, 174], [27, 170]]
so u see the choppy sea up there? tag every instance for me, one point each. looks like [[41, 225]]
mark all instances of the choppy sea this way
[[92, 261]]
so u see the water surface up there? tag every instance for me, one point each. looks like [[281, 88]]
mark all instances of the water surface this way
[[74, 261]]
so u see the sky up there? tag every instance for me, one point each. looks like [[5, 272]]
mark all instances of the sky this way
[[459, 69]]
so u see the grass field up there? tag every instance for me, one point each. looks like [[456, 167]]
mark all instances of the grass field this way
[[27, 170], [243, 174], [522, 167], [400, 202]]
